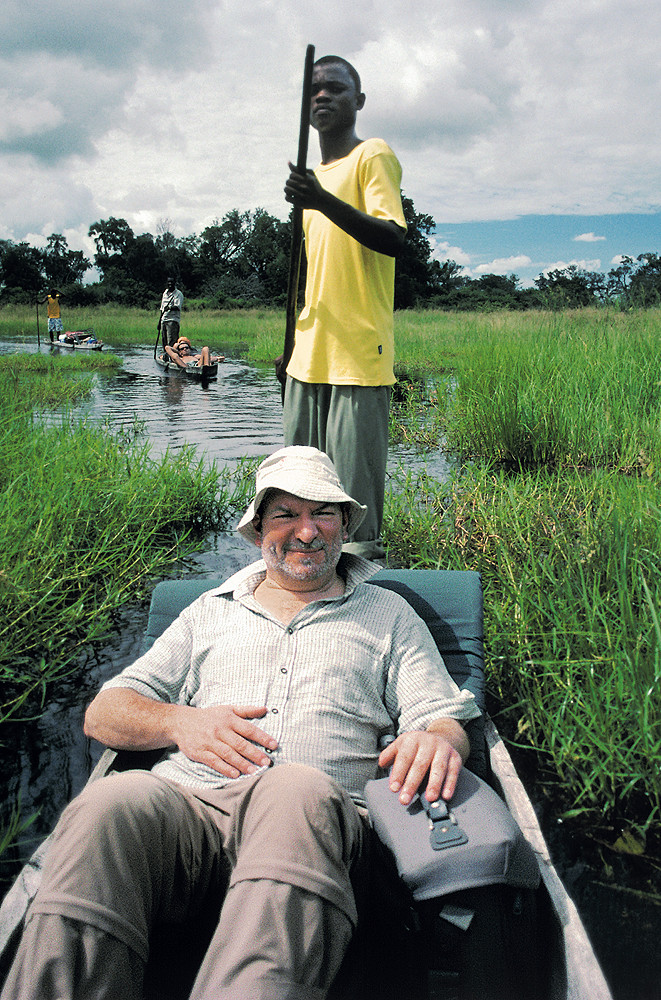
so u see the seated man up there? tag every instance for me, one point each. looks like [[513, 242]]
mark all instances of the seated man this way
[[268, 696], [183, 355]]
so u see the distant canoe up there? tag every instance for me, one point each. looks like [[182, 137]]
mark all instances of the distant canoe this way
[[80, 340], [196, 372]]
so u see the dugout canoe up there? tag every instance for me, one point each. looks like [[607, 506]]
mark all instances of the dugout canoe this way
[[196, 373], [571, 968], [79, 340], [575, 971]]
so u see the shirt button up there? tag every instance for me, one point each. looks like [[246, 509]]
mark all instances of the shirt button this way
[[274, 711], [283, 670], [290, 631]]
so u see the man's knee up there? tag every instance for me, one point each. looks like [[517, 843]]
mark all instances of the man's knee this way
[[297, 800], [113, 810], [297, 786]]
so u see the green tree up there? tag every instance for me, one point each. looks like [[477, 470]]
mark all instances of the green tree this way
[[571, 287], [63, 266], [21, 271], [636, 282], [265, 256], [417, 276], [112, 238], [245, 257]]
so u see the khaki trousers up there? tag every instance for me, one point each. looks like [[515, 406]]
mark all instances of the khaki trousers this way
[[134, 850], [349, 423]]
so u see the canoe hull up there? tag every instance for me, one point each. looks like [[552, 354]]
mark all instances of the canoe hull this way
[[451, 603], [79, 340], [574, 971], [197, 374]]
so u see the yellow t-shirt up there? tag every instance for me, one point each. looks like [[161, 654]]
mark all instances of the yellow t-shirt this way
[[54, 307], [344, 335]]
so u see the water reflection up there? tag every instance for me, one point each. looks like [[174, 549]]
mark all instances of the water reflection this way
[[234, 415]]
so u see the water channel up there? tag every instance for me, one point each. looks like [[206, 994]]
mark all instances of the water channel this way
[[46, 762]]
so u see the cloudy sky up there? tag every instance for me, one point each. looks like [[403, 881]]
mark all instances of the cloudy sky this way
[[528, 129]]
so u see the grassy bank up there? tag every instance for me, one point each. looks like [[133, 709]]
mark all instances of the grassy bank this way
[[255, 335], [560, 510], [571, 569], [88, 520]]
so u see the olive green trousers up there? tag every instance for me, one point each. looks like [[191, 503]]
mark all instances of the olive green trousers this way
[[350, 424]]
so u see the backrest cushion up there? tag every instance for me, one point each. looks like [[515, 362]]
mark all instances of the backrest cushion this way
[[448, 601]]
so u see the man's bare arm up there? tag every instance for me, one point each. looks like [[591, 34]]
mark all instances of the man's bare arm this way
[[382, 235], [222, 737]]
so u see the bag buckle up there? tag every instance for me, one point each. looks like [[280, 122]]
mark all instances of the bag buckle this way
[[445, 831]]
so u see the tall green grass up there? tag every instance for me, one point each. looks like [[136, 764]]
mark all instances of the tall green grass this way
[[562, 517], [571, 569], [253, 334], [568, 392], [88, 519]]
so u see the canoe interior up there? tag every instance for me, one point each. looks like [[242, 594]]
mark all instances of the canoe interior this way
[[568, 968]]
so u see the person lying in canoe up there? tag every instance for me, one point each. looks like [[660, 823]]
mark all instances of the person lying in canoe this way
[[183, 355], [267, 696]]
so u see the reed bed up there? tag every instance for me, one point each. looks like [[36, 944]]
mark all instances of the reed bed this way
[[570, 393], [559, 509], [571, 569], [88, 519], [32, 379], [253, 334]]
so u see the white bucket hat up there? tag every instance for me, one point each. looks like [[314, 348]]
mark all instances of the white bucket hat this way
[[306, 473]]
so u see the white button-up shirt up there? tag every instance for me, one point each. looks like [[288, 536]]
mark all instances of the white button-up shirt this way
[[342, 674]]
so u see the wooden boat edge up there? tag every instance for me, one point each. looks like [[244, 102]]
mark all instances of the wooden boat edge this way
[[584, 975]]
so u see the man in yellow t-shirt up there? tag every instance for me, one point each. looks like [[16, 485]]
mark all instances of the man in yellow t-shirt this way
[[340, 374], [54, 316]]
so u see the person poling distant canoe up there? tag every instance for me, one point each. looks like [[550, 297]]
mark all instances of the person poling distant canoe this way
[[54, 314], [169, 321], [183, 355]]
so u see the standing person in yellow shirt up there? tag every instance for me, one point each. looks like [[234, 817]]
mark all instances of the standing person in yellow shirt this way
[[54, 315], [340, 375]]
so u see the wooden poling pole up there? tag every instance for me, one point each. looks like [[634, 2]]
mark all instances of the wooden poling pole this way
[[297, 223]]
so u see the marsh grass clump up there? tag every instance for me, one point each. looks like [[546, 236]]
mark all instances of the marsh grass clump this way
[[571, 569], [88, 518], [567, 392], [29, 380], [417, 412]]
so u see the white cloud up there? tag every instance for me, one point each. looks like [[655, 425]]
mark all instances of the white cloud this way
[[562, 265], [504, 265], [442, 250], [495, 110], [588, 238]]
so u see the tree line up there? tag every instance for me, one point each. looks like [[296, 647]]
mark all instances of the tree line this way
[[242, 259]]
